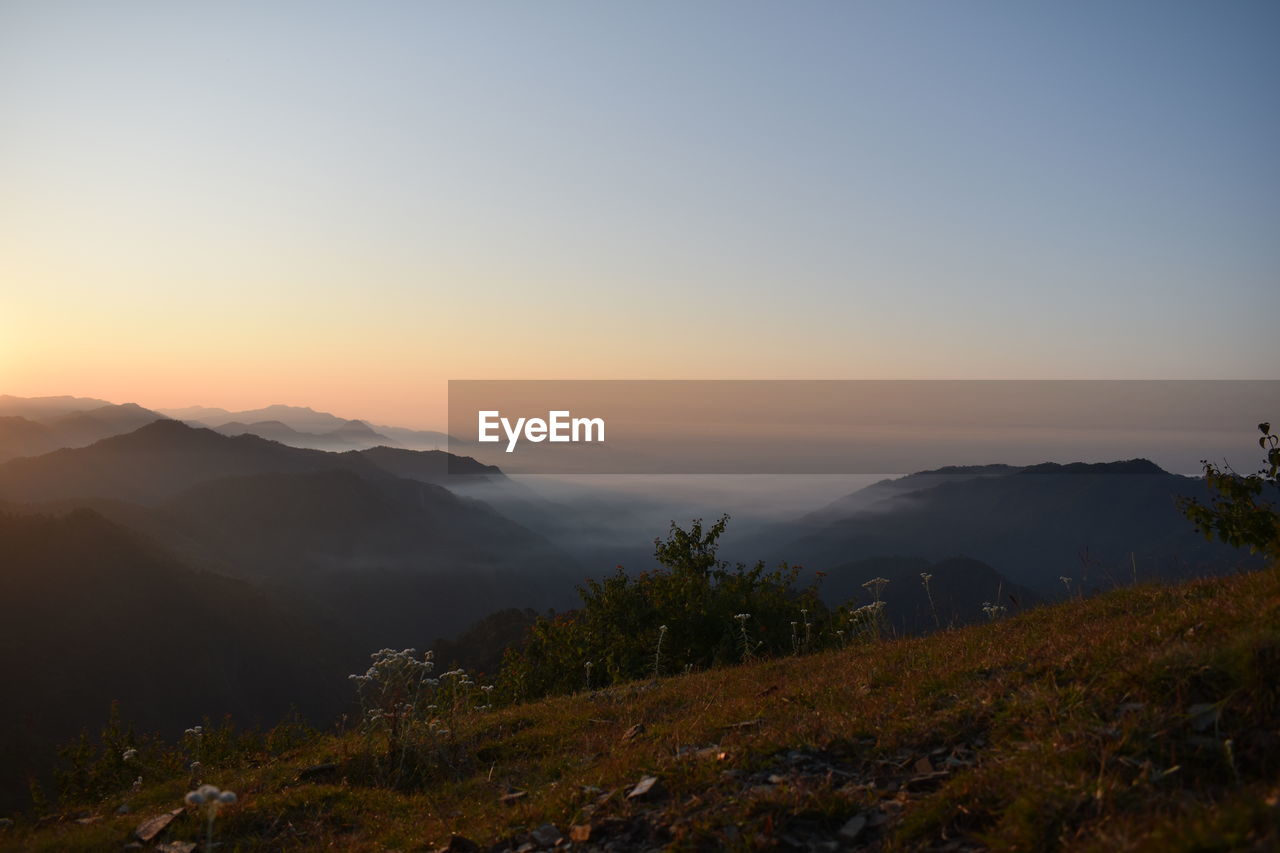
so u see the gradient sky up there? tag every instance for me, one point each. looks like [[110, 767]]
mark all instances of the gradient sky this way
[[345, 205]]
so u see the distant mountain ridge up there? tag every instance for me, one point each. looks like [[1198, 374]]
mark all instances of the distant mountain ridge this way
[[300, 418], [431, 466], [31, 426], [1128, 466], [352, 435], [1034, 524], [157, 461], [38, 408], [250, 507], [79, 421], [864, 498], [319, 430]]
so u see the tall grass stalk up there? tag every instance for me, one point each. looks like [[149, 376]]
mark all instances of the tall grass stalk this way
[[925, 577]]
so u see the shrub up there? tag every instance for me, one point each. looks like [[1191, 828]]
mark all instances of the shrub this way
[[409, 719], [679, 616], [1243, 513]]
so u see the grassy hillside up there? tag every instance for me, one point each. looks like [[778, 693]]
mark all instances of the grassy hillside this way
[[1147, 718]]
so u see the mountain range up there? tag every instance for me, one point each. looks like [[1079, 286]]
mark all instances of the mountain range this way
[[303, 426], [180, 571], [249, 507], [30, 426], [1100, 524], [185, 570]]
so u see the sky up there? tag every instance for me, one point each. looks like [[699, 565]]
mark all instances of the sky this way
[[346, 205]]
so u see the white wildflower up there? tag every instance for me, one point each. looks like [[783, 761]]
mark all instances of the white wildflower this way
[[876, 585]]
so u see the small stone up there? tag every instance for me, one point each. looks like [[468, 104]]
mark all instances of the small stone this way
[[151, 827], [647, 786], [853, 828], [123, 809], [924, 765], [546, 835], [580, 832]]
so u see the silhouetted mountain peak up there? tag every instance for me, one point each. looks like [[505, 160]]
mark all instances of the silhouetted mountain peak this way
[[163, 432], [172, 435], [427, 465], [1128, 466], [992, 470], [111, 411], [355, 428]]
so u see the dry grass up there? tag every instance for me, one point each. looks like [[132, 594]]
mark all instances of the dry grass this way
[[1100, 724]]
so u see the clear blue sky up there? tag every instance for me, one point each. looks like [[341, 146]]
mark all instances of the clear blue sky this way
[[346, 204]]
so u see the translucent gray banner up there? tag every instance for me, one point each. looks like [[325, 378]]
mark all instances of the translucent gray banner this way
[[851, 426]]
